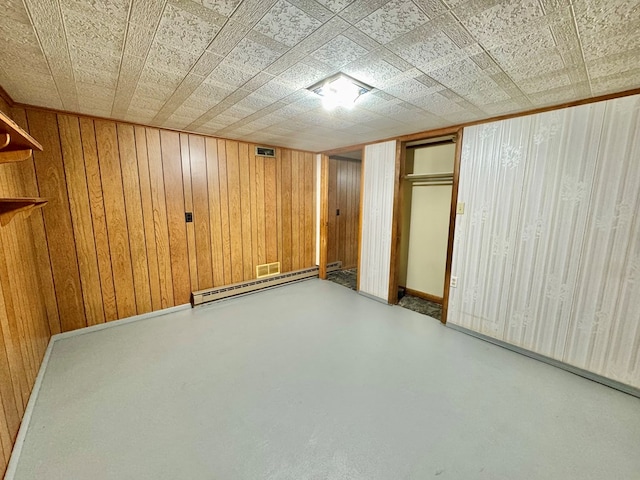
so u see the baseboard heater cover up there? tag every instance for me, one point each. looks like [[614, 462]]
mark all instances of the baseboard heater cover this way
[[218, 293]]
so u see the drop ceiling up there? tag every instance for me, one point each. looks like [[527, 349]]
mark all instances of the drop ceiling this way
[[239, 69]]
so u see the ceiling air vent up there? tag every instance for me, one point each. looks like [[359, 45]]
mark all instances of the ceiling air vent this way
[[265, 152]]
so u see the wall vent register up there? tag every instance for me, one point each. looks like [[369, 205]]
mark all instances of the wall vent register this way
[[265, 152]]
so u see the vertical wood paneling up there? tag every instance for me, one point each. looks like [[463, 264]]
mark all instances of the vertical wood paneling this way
[[39, 237], [245, 206], [185, 154], [272, 220], [98, 216], [116, 217], [344, 195], [286, 256], [377, 214], [235, 211], [215, 211], [224, 211], [201, 219], [174, 194], [57, 219], [148, 216], [135, 221], [73, 158], [161, 229], [261, 211], [295, 210], [307, 201], [27, 295]]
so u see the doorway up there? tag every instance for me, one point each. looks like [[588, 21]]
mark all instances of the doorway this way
[[344, 214], [427, 191]]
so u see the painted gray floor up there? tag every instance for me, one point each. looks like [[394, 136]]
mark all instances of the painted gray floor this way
[[313, 381]]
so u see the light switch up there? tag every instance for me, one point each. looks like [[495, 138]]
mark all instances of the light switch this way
[[454, 282], [460, 209]]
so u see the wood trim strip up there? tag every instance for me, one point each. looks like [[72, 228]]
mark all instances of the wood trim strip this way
[[396, 224], [452, 226], [324, 214], [361, 206]]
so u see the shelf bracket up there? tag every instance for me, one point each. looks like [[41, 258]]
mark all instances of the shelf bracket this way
[[15, 155]]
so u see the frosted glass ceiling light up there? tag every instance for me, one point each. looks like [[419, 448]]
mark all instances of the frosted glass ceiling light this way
[[339, 90]]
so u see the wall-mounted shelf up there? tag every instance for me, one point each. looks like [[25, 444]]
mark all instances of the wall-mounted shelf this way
[[10, 207], [15, 144]]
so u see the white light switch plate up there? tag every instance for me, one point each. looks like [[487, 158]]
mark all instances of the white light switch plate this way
[[454, 282], [460, 209]]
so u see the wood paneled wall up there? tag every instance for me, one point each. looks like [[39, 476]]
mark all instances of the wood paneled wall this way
[[344, 195], [24, 319], [118, 243]]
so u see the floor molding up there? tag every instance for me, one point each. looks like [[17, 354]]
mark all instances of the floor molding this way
[[623, 387], [33, 398]]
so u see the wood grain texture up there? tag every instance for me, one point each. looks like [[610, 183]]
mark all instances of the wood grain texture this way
[[116, 216], [25, 302], [185, 154], [96, 202], [133, 206], [174, 195], [80, 207], [57, 219], [127, 190], [343, 195]]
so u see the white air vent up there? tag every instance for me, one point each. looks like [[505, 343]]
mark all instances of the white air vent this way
[[265, 152]]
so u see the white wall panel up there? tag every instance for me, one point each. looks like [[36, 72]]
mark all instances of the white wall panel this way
[[547, 253], [379, 166]]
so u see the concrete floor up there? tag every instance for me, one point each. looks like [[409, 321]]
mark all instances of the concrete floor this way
[[313, 381]]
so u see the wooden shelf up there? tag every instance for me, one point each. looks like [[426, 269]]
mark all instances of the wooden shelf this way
[[15, 144], [10, 207]]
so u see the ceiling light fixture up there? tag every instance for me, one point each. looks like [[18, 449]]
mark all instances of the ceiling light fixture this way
[[339, 90]]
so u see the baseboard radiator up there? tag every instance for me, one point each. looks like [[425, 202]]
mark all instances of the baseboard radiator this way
[[219, 293]]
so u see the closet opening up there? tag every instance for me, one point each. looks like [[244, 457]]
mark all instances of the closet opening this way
[[343, 219], [427, 190]]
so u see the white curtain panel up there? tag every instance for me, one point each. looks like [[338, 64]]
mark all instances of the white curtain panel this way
[[547, 254]]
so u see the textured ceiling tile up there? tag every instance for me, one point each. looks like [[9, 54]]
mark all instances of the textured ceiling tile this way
[[339, 52], [228, 75], [551, 97], [544, 82], [314, 9], [106, 10], [460, 73], [91, 32], [421, 48], [287, 24], [250, 12], [253, 55], [616, 82], [300, 76], [493, 22], [373, 71], [108, 79], [223, 7], [162, 57], [49, 26], [410, 89], [184, 31], [359, 9], [106, 60], [392, 20], [614, 64]]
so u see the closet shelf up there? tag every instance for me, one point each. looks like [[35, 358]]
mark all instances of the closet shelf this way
[[15, 144], [10, 207]]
